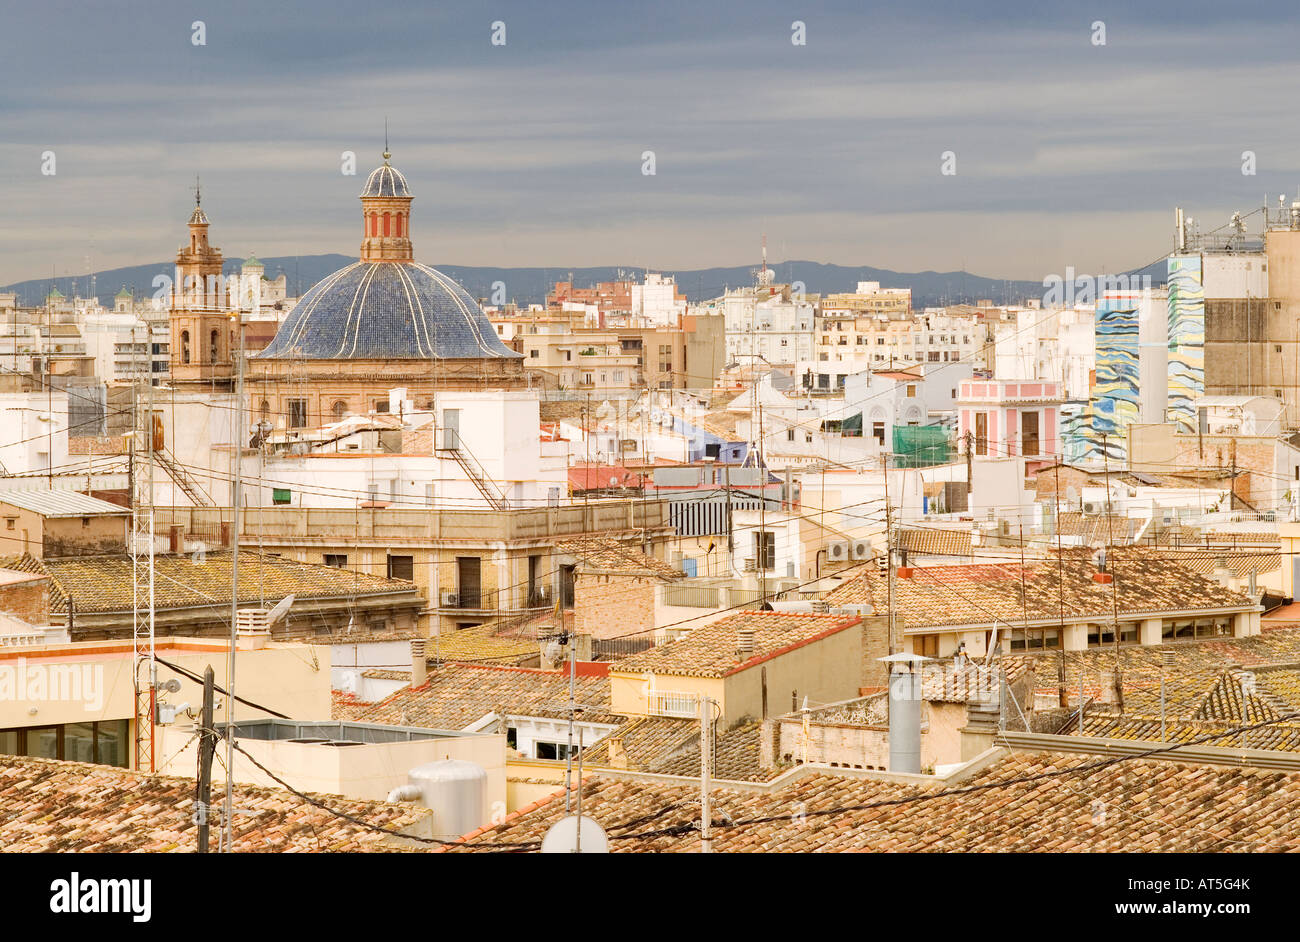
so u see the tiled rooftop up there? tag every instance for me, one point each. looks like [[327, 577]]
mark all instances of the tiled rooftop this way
[[1138, 805], [670, 746], [713, 650], [935, 542], [59, 503], [71, 807], [485, 642], [457, 695], [104, 583], [988, 593], [613, 557]]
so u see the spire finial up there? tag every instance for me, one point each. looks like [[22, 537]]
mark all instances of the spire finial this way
[[198, 193], [386, 153]]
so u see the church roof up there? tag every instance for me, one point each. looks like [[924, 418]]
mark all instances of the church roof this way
[[385, 181], [380, 310]]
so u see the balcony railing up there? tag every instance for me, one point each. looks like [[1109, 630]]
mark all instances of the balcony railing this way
[[672, 703]]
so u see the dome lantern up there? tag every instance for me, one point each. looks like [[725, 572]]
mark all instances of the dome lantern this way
[[386, 215]]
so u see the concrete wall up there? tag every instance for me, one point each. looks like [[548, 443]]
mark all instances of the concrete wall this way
[[824, 671]]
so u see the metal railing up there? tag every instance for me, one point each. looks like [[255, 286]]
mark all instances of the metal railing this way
[[691, 596], [672, 703]]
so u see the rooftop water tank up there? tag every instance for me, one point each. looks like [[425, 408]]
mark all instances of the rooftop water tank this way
[[456, 791]]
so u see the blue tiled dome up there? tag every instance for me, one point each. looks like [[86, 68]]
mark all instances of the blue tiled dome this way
[[379, 310], [385, 181]]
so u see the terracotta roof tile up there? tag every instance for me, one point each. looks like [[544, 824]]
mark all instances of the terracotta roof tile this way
[[611, 556], [105, 583], [1144, 805], [988, 593], [51, 806], [713, 650], [457, 695]]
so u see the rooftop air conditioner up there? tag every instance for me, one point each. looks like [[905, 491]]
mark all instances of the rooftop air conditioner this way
[[449, 600], [838, 551], [861, 549], [1092, 507]]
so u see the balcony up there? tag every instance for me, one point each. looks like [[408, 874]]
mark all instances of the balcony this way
[[672, 703]]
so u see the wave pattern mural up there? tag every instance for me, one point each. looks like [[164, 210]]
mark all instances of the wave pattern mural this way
[[1113, 406], [1186, 340]]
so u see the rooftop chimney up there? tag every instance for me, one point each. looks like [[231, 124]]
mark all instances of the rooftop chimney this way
[[252, 629], [419, 663]]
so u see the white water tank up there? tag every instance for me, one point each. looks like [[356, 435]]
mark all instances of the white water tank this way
[[456, 791]]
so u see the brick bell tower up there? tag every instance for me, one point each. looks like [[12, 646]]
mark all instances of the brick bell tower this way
[[386, 216], [202, 335]]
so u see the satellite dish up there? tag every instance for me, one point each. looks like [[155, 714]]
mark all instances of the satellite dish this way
[[281, 609], [562, 838]]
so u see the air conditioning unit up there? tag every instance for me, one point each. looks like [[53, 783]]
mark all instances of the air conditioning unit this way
[[1092, 507], [838, 551], [861, 549], [449, 600]]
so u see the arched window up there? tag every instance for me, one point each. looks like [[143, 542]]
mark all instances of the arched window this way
[[339, 409], [265, 410], [401, 224], [386, 221], [185, 346], [213, 343], [374, 225]]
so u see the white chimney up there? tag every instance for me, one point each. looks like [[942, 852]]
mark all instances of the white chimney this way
[[419, 663]]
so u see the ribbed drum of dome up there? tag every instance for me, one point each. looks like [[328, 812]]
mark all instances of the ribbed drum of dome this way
[[386, 216]]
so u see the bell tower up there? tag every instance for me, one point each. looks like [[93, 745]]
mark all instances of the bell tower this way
[[202, 336]]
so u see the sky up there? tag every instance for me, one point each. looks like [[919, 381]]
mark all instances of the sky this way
[[1066, 152]]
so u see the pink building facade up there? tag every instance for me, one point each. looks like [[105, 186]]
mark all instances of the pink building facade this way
[[1006, 418]]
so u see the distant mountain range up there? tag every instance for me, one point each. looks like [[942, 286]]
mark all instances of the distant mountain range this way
[[530, 285]]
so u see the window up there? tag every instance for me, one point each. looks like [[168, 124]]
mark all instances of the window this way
[[339, 409], [911, 392], [297, 413], [469, 587], [264, 409], [337, 560], [981, 433], [878, 431], [401, 567], [534, 354], [1029, 433], [765, 549], [213, 342], [926, 645], [281, 495], [103, 742], [553, 750], [1188, 628], [381, 405], [185, 346], [1035, 639]]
